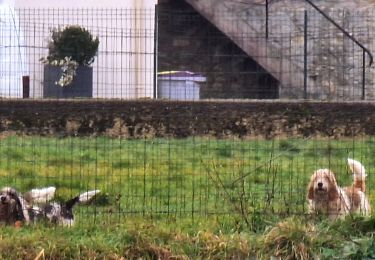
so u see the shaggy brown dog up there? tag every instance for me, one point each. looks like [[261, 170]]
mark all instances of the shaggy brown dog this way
[[326, 197]]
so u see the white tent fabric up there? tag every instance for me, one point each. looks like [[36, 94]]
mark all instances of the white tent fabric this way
[[12, 52]]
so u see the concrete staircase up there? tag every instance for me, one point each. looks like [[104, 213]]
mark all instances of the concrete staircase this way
[[334, 64], [249, 34]]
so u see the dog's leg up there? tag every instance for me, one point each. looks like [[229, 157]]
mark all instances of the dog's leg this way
[[24, 208]]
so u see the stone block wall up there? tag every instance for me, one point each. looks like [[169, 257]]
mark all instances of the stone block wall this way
[[334, 62], [164, 119]]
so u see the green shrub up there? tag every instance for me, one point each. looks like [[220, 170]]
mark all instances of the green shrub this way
[[75, 42]]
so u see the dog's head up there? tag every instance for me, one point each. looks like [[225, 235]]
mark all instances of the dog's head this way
[[323, 185], [9, 196], [10, 206]]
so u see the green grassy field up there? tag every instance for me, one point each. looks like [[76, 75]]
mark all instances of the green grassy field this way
[[180, 177], [190, 187]]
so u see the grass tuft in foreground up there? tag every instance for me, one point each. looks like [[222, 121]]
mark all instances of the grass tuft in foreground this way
[[291, 238]]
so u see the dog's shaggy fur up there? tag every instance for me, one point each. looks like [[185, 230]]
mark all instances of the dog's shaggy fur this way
[[12, 206], [60, 213], [325, 196], [34, 206]]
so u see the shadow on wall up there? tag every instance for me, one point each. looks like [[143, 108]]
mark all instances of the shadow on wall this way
[[188, 42]]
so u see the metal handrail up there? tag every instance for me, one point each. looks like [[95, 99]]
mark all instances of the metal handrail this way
[[342, 30], [364, 49], [326, 16], [333, 22], [330, 20]]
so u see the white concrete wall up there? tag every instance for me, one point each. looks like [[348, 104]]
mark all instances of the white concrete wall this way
[[85, 3], [124, 67]]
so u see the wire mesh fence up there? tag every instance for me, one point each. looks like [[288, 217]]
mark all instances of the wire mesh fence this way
[[124, 66], [184, 160], [239, 53], [150, 168], [179, 179], [246, 51]]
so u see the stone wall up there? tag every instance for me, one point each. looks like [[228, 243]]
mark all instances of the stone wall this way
[[219, 119], [334, 61]]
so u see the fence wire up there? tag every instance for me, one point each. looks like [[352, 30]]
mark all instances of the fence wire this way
[[191, 162], [235, 54], [229, 169]]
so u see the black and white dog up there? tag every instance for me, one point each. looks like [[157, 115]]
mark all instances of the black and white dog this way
[[12, 206], [34, 206]]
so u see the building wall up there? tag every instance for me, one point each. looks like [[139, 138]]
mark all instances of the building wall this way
[[124, 67], [330, 65], [86, 3]]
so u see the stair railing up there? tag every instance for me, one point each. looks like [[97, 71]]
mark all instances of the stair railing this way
[[346, 33]]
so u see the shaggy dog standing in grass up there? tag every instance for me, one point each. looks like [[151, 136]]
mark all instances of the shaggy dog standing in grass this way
[[326, 197]]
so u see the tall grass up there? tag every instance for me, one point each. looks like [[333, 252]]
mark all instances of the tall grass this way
[[194, 198], [292, 238], [180, 178]]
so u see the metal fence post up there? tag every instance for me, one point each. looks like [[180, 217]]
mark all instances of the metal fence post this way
[[266, 19], [363, 74], [156, 35], [305, 55]]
